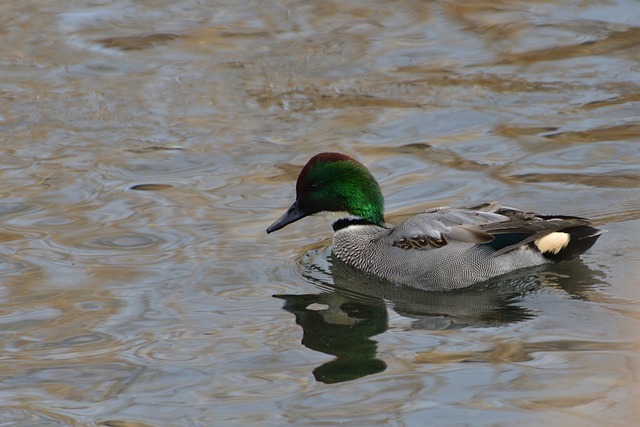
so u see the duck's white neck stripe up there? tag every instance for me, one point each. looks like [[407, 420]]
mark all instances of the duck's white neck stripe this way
[[337, 216]]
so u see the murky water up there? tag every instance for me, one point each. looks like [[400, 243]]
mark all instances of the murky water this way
[[146, 146]]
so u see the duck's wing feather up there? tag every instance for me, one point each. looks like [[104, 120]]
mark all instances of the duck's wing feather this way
[[438, 227], [502, 229]]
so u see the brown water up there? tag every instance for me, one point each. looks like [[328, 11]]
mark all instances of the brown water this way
[[146, 146]]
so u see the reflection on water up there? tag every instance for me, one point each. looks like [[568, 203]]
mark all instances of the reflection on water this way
[[341, 326], [350, 308]]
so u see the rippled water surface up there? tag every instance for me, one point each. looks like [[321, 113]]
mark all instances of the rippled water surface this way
[[146, 146]]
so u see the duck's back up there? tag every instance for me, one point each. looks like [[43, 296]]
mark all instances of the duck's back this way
[[446, 248]]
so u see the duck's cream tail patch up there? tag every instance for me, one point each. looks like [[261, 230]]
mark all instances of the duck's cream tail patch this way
[[553, 243]]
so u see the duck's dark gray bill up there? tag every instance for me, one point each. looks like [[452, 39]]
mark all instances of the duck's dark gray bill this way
[[292, 215]]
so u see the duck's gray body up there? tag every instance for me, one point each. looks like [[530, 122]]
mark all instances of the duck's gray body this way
[[447, 248]]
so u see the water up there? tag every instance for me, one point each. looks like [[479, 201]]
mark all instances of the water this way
[[146, 146]]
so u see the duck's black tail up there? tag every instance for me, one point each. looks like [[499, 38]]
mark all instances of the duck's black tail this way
[[556, 237], [568, 243]]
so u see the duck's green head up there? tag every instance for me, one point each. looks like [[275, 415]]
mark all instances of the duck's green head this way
[[335, 182]]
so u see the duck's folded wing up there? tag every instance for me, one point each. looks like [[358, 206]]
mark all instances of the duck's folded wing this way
[[435, 229], [501, 229]]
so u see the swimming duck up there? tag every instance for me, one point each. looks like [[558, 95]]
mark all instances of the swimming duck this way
[[440, 249]]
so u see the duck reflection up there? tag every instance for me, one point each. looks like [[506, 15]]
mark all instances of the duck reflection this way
[[336, 324], [351, 308]]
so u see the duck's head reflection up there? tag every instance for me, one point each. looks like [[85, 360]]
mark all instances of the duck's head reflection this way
[[333, 323], [341, 319]]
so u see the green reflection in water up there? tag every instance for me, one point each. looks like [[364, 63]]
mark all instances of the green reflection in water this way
[[337, 325]]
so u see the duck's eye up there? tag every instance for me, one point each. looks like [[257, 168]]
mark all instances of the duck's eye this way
[[311, 186]]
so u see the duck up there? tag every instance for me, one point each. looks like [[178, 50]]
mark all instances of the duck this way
[[442, 248]]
